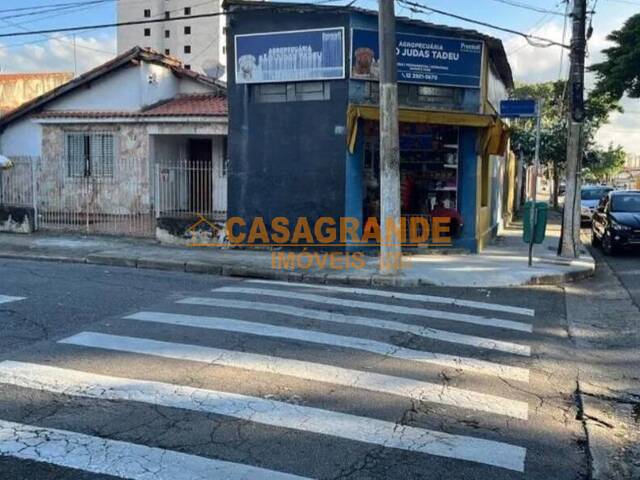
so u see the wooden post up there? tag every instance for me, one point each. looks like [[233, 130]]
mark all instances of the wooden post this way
[[391, 248]]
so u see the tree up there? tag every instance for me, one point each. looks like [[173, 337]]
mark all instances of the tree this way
[[619, 74], [602, 165], [553, 129], [553, 134]]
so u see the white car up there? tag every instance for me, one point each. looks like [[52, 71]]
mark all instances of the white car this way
[[590, 195]]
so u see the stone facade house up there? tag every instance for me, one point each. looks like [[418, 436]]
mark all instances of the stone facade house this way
[[125, 146]]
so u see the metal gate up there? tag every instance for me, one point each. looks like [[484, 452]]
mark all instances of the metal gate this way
[[186, 189], [124, 199], [116, 201]]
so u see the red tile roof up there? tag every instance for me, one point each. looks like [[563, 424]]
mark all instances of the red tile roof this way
[[194, 105], [134, 55], [197, 104]]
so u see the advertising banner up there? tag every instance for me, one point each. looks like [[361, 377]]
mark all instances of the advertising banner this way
[[290, 56], [423, 59]]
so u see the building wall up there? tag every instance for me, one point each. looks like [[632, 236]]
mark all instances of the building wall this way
[[130, 88], [496, 90], [128, 191], [291, 158], [22, 138], [288, 158], [206, 38], [468, 100], [18, 88]]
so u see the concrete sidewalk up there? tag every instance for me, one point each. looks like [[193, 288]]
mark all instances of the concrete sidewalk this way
[[503, 263]]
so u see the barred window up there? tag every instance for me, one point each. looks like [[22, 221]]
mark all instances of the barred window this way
[[90, 155]]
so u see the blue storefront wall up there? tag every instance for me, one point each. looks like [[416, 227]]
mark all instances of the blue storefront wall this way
[[467, 156], [286, 158], [290, 159], [471, 98]]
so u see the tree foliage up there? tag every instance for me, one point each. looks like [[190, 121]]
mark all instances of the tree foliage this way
[[553, 123], [601, 165], [553, 133], [619, 74]]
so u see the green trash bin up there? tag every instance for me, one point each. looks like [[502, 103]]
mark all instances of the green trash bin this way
[[541, 222]]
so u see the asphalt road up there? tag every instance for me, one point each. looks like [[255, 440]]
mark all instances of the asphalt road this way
[[120, 373], [626, 266]]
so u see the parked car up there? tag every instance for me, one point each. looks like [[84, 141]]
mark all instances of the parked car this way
[[616, 221], [590, 196]]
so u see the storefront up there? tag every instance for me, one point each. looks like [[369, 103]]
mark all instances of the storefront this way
[[304, 124]]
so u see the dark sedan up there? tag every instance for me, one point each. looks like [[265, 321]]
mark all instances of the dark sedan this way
[[616, 221]]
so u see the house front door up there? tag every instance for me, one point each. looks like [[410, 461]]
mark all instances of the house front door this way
[[200, 156]]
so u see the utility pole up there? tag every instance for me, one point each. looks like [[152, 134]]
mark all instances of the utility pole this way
[[570, 239], [390, 238]]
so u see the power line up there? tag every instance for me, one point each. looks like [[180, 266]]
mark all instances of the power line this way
[[564, 36], [71, 7], [53, 38], [530, 7], [87, 5], [626, 2], [109, 25], [52, 5], [532, 39], [534, 28]]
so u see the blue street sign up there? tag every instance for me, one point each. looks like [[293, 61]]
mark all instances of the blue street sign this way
[[518, 108]]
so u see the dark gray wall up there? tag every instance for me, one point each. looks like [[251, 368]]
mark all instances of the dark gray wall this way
[[285, 159]]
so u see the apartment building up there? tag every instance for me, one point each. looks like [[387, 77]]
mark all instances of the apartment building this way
[[198, 42]]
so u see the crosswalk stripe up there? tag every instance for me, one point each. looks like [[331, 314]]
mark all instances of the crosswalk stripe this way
[[334, 317], [268, 412], [423, 312], [406, 387], [372, 346], [119, 459], [407, 296], [7, 299]]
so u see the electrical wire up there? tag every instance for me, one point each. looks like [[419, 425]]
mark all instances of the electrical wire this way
[[534, 28], [74, 7], [52, 5], [531, 7], [52, 38], [626, 2], [531, 39], [280, 8]]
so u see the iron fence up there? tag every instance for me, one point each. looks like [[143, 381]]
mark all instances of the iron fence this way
[[125, 199], [189, 188], [17, 183], [114, 202]]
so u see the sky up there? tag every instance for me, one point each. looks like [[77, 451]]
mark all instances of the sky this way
[[55, 52]]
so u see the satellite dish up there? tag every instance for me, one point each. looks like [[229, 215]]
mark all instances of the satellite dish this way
[[214, 69]]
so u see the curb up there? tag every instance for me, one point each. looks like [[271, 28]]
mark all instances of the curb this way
[[42, 258], [240, 271], [561, 278]]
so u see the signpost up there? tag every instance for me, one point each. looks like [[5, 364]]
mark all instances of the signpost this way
[[528, 108]]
